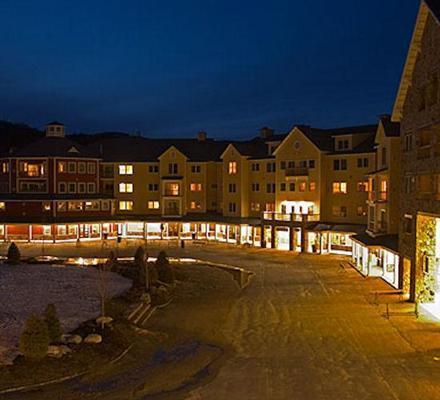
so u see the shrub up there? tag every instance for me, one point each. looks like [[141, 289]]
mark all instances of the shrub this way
[[112, 262], [140, 263], [13, 254], [53, 323], [164, 269], [34, 341]]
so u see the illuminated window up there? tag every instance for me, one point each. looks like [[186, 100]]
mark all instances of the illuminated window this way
[[232, 167], [46, 206], [362, 186], [195, 205], [62, 206], [255, 206], [361, 211], [125, 187], [302, 186], [92, 205], [2, 205], [172, 189], [339, 187], [340, 211], [195, 187], [312, 186], [5, 167], [153, 205], [125, 169], [269, 207], [125, 205]]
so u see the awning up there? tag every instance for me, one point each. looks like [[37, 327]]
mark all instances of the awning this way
[[390, 242]]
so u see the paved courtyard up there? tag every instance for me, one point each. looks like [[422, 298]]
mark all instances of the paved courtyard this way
[[307, 329]]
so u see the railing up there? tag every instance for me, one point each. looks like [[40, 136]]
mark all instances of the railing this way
[[284, 217], [171, 193], [298, 171], [383, 196], [378, 196]]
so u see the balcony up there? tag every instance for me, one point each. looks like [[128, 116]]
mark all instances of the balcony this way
[[282, 217], [378, 196], [297, 172]]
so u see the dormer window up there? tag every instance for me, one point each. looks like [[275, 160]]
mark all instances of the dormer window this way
[[343, 144]]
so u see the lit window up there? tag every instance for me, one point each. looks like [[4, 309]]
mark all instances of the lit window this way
[[255, 206], [302, 186], [125, 187], [172, 189], [195, 205], [2, 205], [340, 187], [195, 187], [362, 186], [312, 186], [46, 206], [125, 169], [153, 205], [232, 167], [361, 211], [5, 167], [125, 205]]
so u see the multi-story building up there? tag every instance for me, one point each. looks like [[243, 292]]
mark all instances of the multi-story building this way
[[52, 180], [417, 107], [304, 190], [375, 252]]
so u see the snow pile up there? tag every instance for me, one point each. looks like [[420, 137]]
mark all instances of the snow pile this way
[[27, 289]]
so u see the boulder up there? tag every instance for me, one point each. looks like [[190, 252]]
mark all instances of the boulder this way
[[93, 338], [104, 320], [58, 351], [71, 339]]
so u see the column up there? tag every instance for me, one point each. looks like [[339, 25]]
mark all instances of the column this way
[[273, 231], [291, 239]]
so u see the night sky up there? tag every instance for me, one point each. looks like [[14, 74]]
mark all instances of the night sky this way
[[174, 67]]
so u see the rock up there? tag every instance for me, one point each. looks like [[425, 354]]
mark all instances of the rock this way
[[71, 339], [104, 320], [93, 338], [58, 351]]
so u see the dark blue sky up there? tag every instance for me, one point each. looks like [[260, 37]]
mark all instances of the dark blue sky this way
[[173, 67]]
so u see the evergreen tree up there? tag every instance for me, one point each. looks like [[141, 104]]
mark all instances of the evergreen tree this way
[[53, 323], [34, 340], [164, 269], [13, 254]]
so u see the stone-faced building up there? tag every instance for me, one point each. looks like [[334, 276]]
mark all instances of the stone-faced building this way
[[417, 108]]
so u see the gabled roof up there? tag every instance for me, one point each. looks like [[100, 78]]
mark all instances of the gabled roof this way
[[427, 7], [434, 6], [55, 147], [324, 138], [390, 128], [137, 149]]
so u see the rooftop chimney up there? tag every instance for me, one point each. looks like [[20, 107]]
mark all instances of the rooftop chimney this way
[[266, 132], [201, 136], [55, 129]]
